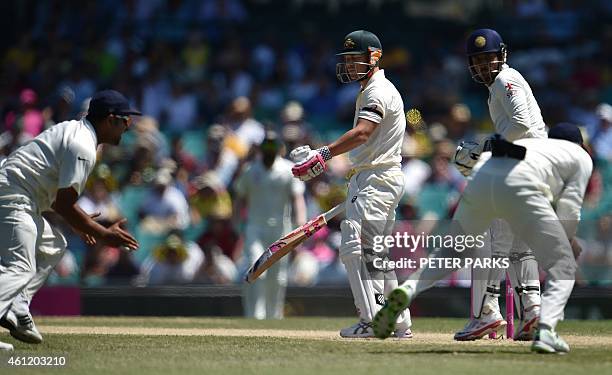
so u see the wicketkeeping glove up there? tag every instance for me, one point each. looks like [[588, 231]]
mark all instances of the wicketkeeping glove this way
[[468, 153]]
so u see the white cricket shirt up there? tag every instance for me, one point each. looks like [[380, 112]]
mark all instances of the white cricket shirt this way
[[61, 156], [269, 193], [513, 108], [380, 102], [560, 169]]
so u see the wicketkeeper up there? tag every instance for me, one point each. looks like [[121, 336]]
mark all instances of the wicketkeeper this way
[[516, 115]]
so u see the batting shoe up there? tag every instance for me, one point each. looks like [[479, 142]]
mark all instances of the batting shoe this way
[[547, 341], [385, 320], [478, 328], [359, 330], [6, 347], [402, 328], [528, 325], [22, 327]]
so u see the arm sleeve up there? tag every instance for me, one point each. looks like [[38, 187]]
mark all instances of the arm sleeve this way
[[570, 199], [513, 98], [373, 108], [76, 165]]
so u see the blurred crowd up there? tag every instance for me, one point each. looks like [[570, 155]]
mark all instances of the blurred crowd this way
[[212, 76]]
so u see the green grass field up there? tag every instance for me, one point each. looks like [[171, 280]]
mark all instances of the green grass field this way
[[295, 346]]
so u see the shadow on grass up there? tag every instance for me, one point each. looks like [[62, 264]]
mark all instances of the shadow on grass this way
[[449, 351]]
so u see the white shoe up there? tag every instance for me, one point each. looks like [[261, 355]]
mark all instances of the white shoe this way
[[22, 328], [547, 341], [4, 346], [361, 329], [402, 334], [528, 325], [402, 329], [478, 328]]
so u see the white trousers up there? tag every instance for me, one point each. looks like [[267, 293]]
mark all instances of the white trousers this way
[[505, 189], [265, 298], [29, 251], [373, 196]]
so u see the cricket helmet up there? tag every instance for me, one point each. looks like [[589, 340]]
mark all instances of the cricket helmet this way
[[360, 42], [485, 41]]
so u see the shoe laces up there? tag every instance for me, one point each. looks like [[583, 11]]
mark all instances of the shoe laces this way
[[25, 320], [470, 324]]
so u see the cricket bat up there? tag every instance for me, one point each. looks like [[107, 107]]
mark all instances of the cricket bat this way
[[289, 242]]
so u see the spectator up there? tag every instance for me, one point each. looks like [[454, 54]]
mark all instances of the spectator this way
[[219, 158], [164, 207], [210, 198], [176, 261], [240, 121], [97, 198], [602, 137], [441, 190], [181, 108]]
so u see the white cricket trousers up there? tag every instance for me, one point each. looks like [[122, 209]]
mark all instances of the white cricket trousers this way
[[265, 298], [373, 196], [507, 189], [29, 249]]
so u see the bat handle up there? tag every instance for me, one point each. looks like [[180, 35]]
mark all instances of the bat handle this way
[[337, 210]]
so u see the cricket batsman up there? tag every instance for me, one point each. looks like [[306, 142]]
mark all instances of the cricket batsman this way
[[537, 186], [376, 181], [516, 115]]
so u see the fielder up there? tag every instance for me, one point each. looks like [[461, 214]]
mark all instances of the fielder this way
[[271, 195], [50, 172], [537, 186], [376, 181], [516, 115]]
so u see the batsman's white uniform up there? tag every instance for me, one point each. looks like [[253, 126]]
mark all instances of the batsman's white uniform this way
[[516, 115], [540, 197], [60, 157], [269, 195], [375, 188]]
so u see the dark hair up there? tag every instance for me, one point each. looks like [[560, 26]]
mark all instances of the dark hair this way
[[94, 118]]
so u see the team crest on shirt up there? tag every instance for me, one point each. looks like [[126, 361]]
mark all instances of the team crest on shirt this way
[[508, 89]]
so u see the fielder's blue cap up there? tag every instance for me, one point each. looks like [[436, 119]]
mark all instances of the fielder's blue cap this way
[[110, 102], [566, 131], [484, 41]]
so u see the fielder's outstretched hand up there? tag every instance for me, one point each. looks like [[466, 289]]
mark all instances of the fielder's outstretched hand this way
[[119, 237], [88, 238], [309, 163]]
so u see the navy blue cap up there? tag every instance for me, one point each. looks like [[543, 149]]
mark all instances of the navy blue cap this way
[[566, 131], [484, 41], [110, 102], [359, 42]]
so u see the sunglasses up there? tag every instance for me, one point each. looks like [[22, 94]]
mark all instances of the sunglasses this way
[[127, 120]]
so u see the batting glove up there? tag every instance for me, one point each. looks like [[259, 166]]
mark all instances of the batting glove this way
[[309, 163]]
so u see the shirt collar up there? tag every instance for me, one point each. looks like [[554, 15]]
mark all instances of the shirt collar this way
[[380, 74], [504, 66], [92, 130]]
